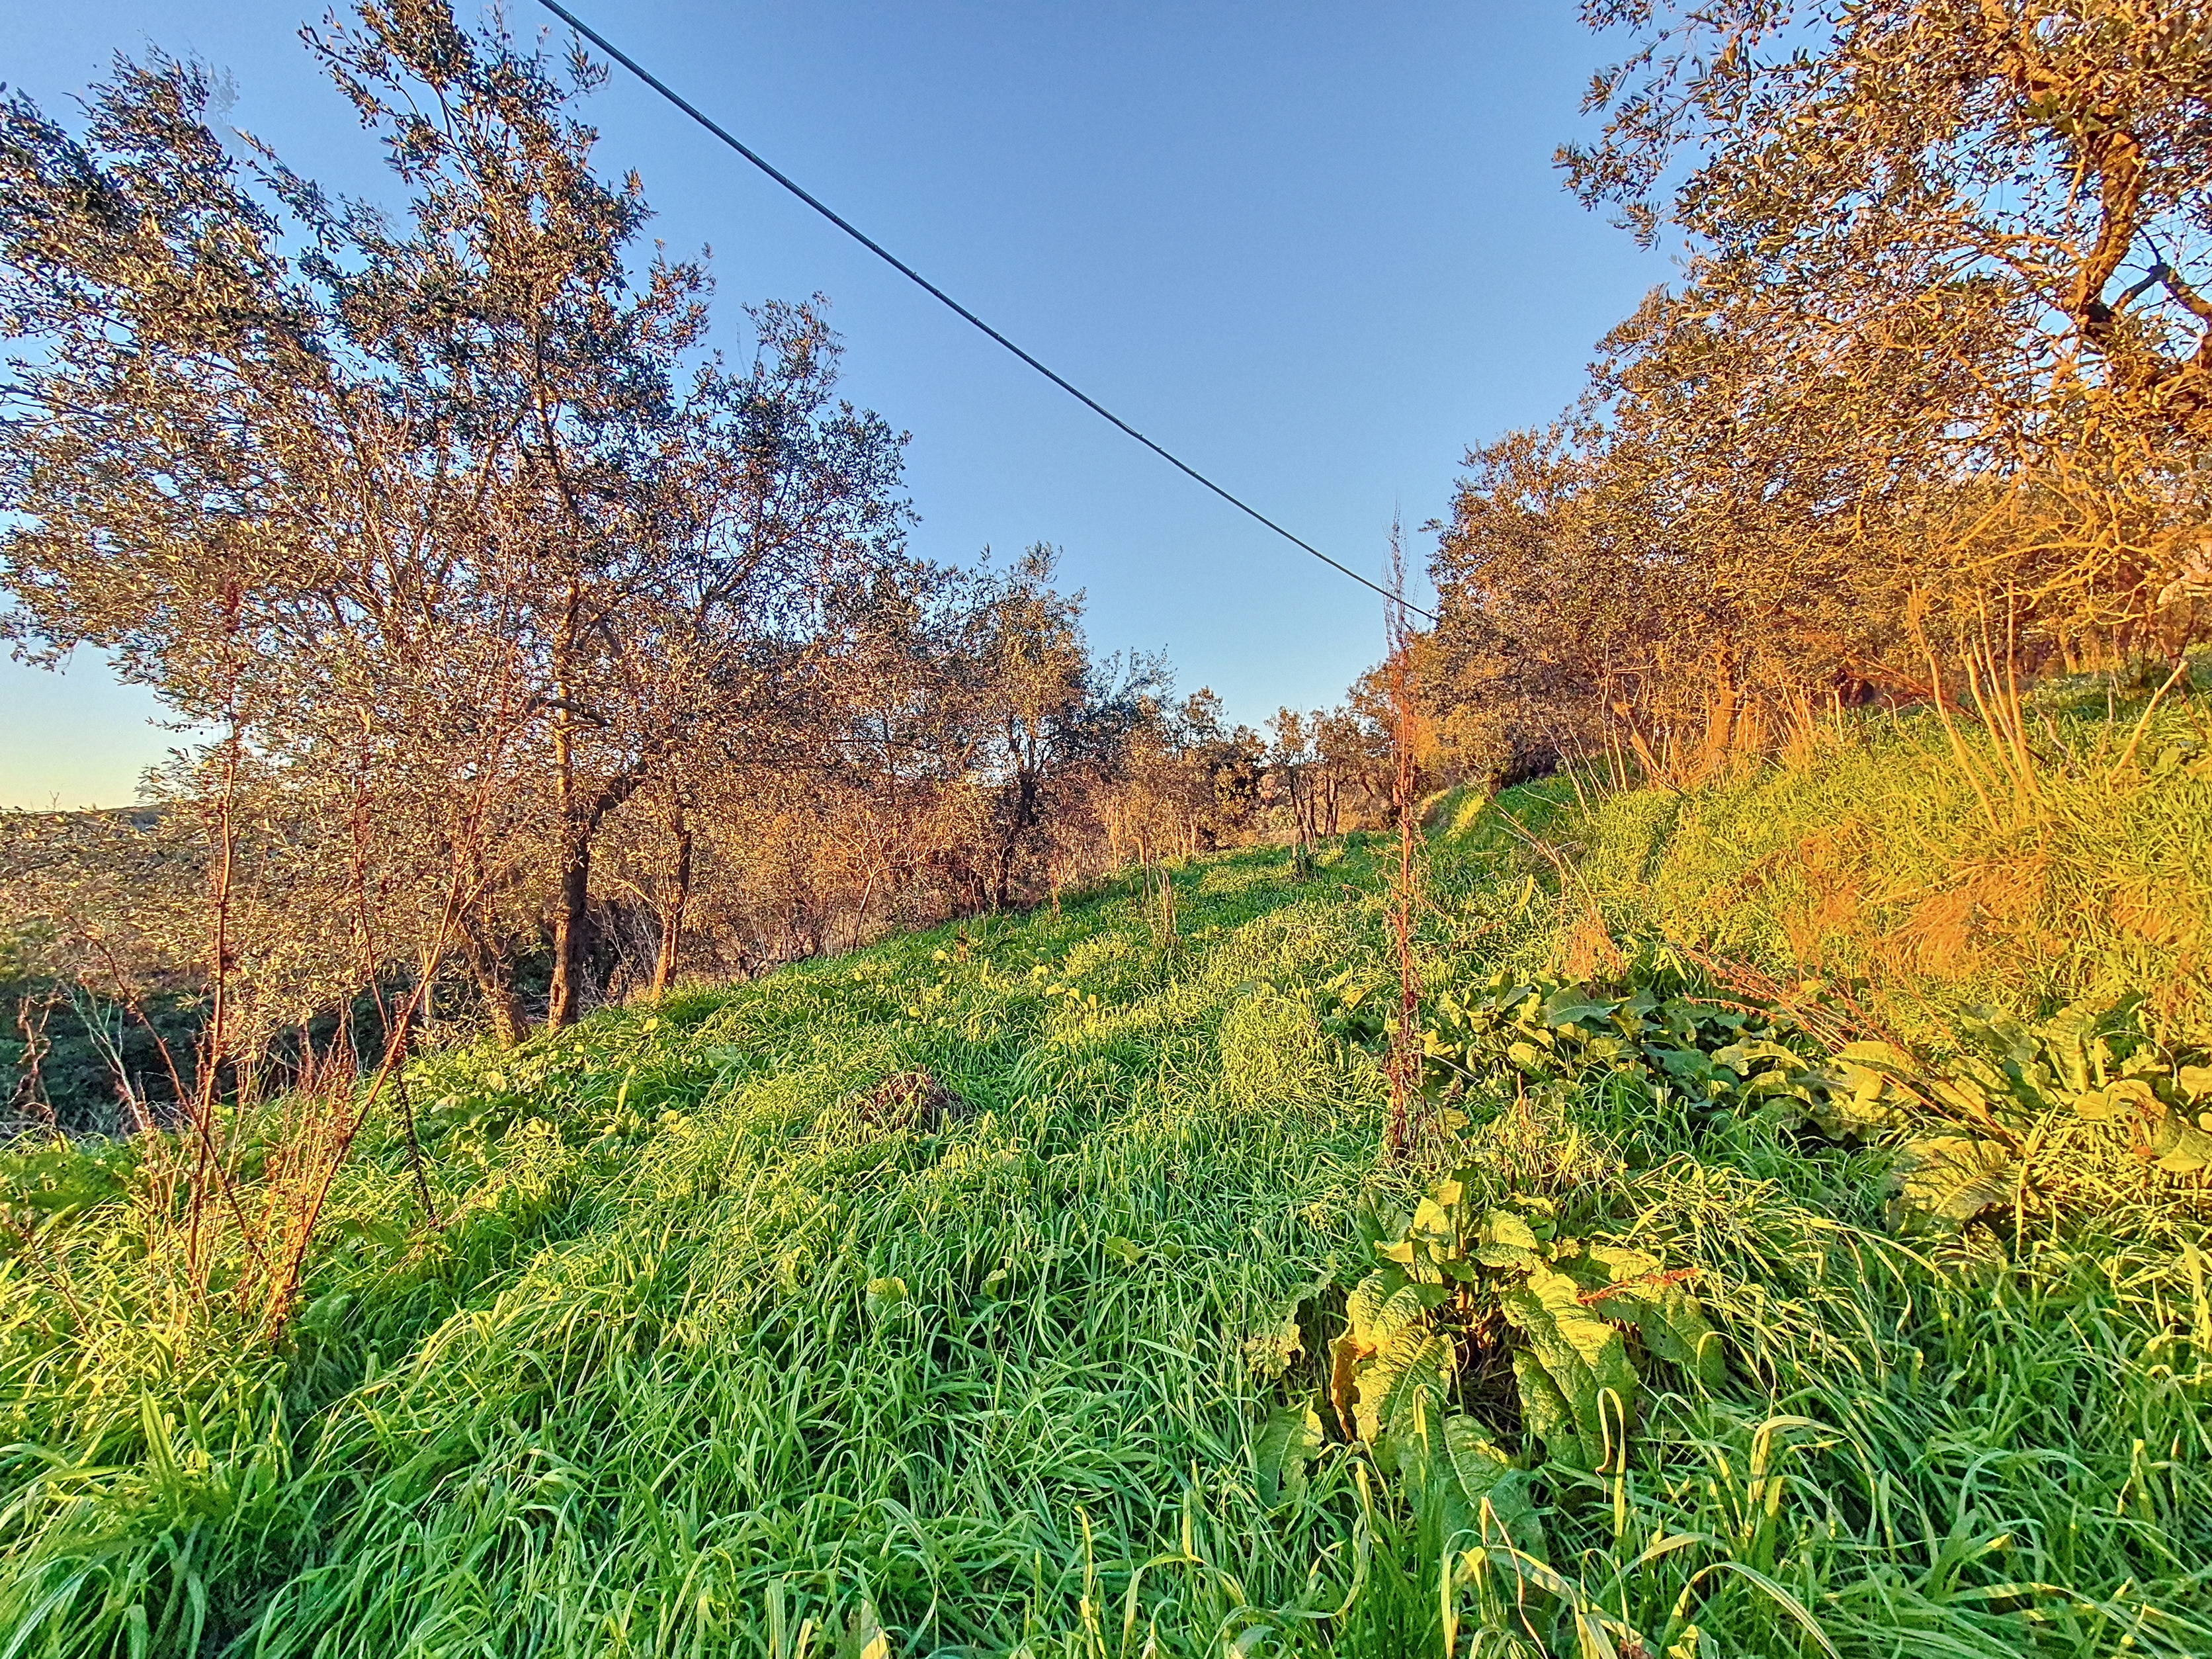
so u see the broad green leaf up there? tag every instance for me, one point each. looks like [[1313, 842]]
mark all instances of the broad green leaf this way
[[864, 1638], [2129, 1096], [1622, 1266], [1541, 1212], [1744, 1056], [1270, 1350], [2000, 1035], [2179, 1146], [1290, 1438], [1571, 1005], [1384, 1304], [1407, 1375], [2066, 1042], [1465, 1490], [1960, 1097], [1672, 1326], [1952, 1179], [1432, 1220], [1858, 1103], [1379, 1307], [1484, 1475], [1696, 1345], [1544, 1410], [1877, 1056], [1583, 1356], [1683, 1065], [1364, 1305], [1503, 1227]]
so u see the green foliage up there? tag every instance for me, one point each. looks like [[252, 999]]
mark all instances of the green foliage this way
[[2102, 1066], [60, 1048], [1711, 1056], [1462, 1282], [2018, 1084], [1463, 1489], [61, 1178]]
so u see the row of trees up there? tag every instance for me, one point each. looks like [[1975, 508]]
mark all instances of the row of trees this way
[[1927, 412], [529, 652]]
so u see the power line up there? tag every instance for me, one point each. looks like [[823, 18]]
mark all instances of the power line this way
[[949, 302]]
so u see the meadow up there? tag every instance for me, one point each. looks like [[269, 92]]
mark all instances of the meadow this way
[[712, 1326]]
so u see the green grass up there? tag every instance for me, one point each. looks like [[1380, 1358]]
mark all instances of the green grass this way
[[1873, 862], [699, 1363]]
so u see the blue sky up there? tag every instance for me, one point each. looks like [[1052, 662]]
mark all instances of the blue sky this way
[[1317, 250]]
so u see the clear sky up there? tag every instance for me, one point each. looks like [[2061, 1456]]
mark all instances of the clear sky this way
[[1317, 250]]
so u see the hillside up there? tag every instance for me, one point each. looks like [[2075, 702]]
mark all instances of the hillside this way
[[734, 1335]]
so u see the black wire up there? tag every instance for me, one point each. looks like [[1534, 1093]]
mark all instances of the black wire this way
[[949, 302]]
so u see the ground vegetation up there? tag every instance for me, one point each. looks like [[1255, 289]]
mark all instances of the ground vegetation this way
[[1039, 1283]]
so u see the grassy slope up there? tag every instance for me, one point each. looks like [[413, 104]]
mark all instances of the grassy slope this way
[[698, 1357], [1876, 862]]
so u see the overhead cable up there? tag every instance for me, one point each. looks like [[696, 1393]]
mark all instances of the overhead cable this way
[[948, 301]]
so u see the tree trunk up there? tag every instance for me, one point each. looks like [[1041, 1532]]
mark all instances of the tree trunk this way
[[571, 937], [1023, 819], [502, 1007], [575, 855], [861, 909], [671, 914], [572, 920], [1720, 708]]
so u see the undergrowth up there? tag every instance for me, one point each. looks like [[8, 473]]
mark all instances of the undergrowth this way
[[736, 1334]]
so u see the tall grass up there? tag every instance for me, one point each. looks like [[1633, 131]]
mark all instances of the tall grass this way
[[1869, 860], [700, 1361]]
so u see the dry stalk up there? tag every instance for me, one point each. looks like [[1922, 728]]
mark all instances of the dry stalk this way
[[1406, 1046], [2135, 737], [1161, 892], [1916, 611], [365, 935], [335, 1130]]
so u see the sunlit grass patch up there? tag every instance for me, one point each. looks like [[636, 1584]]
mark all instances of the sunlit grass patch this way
[[1877, 863]]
